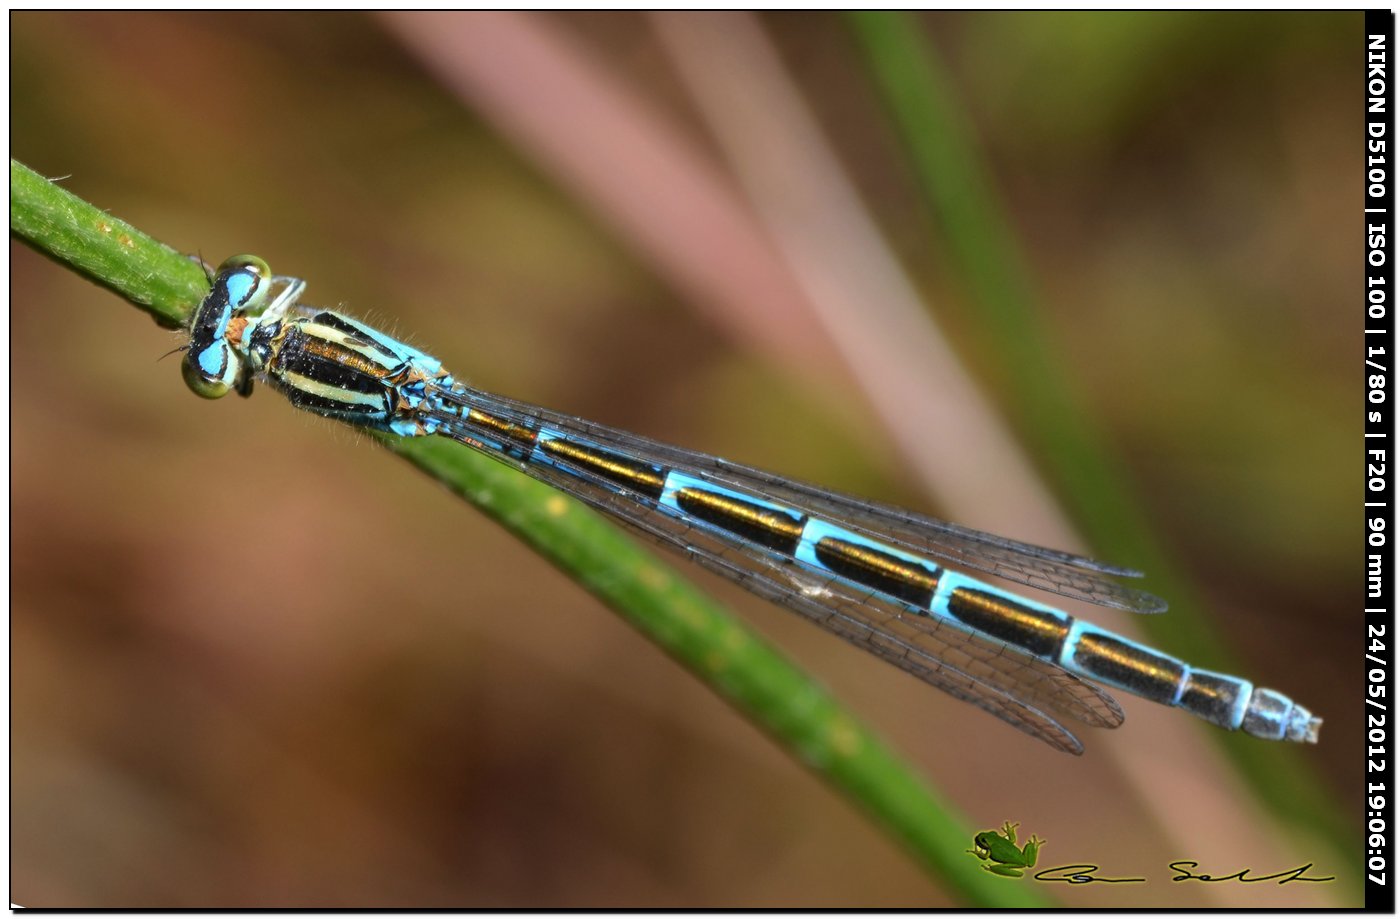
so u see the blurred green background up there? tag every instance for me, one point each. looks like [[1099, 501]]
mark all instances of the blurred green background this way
[[256, 662]]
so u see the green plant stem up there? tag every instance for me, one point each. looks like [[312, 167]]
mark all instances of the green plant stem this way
[[104, 249], [909, 74], [723, 653]]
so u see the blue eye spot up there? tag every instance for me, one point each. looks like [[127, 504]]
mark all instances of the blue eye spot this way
[[240, 286], [212, 360]]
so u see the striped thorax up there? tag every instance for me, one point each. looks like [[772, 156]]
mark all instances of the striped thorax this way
[[341, 368]]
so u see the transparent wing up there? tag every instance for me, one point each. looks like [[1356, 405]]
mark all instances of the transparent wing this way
[[1061, 573], [1024, 691]]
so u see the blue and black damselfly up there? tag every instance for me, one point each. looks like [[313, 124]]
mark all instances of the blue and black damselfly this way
[[887, 580]]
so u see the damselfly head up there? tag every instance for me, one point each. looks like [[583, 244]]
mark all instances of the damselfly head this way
[[212, 365]]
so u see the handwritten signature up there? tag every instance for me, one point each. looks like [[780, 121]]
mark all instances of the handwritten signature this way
[[1087, 874]]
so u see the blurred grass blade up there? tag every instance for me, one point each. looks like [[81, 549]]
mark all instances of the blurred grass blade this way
[[938, 142], [596, 135], [857, 289], [722, 652]]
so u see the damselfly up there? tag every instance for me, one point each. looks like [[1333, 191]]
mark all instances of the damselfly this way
[[887, 580]]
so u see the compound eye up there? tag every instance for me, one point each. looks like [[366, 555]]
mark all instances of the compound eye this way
[[211, 372], [245, 279]]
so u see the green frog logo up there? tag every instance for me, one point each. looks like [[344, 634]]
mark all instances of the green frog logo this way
[[1000, 852]]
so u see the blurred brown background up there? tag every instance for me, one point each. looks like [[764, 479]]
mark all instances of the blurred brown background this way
[[258, 663]]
